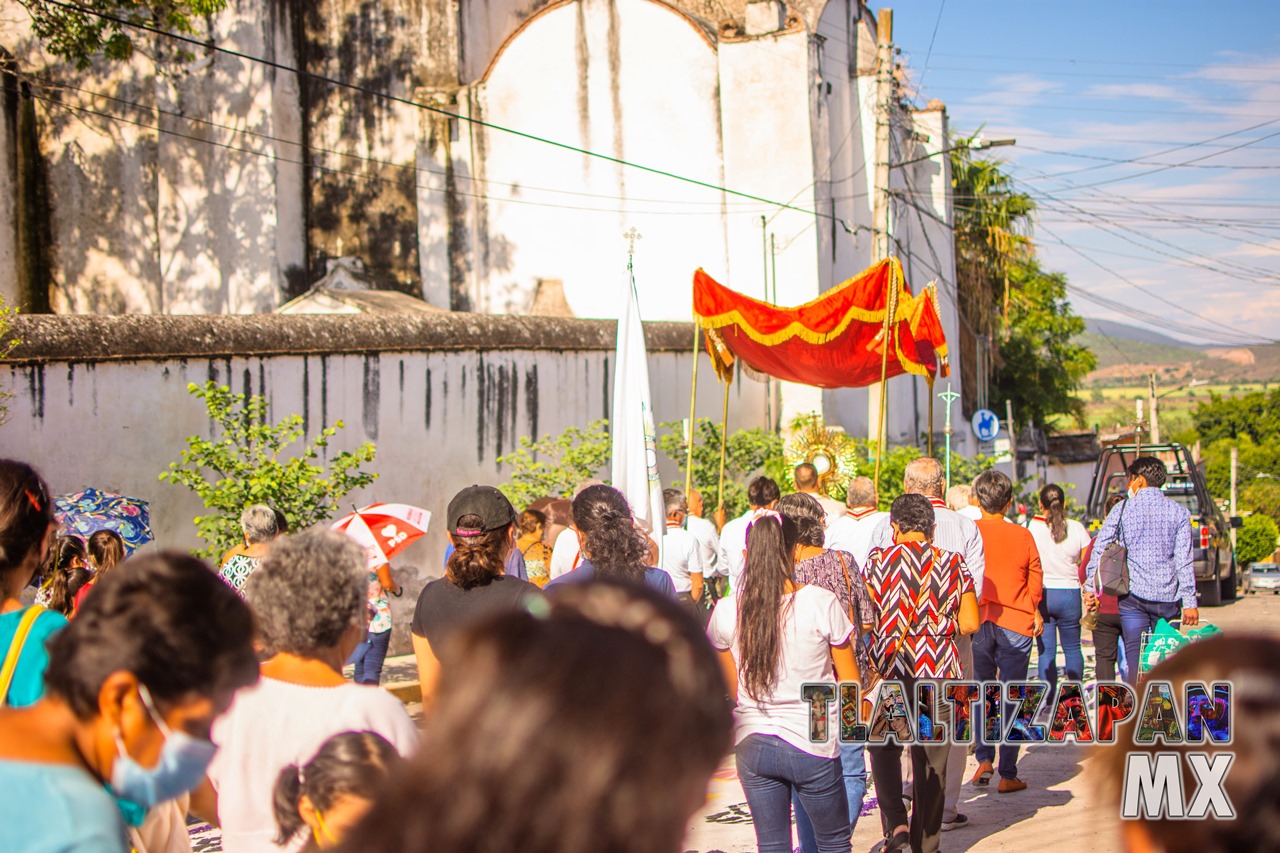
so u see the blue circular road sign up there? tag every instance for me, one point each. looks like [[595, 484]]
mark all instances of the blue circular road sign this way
[[986, 426]]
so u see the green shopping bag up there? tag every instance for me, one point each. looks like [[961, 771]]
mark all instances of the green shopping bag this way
[[1164, 640]]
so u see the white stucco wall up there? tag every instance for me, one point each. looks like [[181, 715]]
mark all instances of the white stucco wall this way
[[631, 79], [440, 420]]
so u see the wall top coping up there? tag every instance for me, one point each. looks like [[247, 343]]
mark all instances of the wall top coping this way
[[148, 337]]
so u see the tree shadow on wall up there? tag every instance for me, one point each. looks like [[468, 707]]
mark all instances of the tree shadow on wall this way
[[359, 206]]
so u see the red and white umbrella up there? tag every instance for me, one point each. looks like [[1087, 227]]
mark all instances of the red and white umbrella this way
[[384, 530]]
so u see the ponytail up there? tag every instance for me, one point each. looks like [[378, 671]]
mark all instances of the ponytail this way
[[476, 560], [66, 580], [1054, 502], [765, 575], [611, 542], [106, 551], [350, 764], [284, 803]]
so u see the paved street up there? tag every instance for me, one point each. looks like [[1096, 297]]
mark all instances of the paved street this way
[[1058, 805]]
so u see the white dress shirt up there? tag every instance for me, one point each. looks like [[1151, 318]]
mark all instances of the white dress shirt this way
[[708, 543], [680, 557], [853, 533], [564, 554], [733, 542]]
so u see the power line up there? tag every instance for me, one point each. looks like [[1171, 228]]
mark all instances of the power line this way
[[1166, 167]]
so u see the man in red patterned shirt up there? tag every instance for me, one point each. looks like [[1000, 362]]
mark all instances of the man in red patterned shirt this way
[[924, 598]]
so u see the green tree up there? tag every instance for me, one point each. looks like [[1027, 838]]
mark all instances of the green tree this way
[[1039, 366], [1256, 415], [8, 341], [243, 465], [81, 31], [1257, 539], [747, 451], [553, 466]]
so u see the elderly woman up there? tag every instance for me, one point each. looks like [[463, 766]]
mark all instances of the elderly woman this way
[[258, 523], [133, 685], [309, 594]]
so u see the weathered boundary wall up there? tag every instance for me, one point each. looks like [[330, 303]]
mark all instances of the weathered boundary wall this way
[[103, 401]]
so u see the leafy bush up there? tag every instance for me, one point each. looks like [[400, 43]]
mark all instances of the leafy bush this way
[[242, 466], [1256, 540], [553, 466], [7, 343], [747, 451]]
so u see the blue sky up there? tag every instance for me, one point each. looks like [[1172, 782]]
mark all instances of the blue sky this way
[[1190, 233]]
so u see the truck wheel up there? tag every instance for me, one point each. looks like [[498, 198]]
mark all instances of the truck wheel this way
[[1210, 593], [1229, 585]]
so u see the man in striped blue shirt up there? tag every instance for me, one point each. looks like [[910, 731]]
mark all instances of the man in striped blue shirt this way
[[1156, 531]]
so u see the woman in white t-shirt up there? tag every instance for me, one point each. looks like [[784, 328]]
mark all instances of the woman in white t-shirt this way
[[309, 594], [774, 636], [1060, 540]]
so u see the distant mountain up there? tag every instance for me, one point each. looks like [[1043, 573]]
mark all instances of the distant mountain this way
[[1127, 354], [1125, 332]]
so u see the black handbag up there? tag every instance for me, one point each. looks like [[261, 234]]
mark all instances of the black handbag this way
[[1113, 566]]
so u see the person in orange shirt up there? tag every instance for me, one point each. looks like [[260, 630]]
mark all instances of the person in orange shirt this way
[[1010, 612]]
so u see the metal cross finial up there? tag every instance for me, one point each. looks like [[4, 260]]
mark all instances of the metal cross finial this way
[[948, 396], [631, 237]]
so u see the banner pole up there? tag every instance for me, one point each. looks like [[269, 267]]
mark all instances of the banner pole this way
[[929, 382], [693, 399], [890, 309], [724, 438]]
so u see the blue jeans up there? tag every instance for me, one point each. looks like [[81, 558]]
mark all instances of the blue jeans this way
[[853, 764], [1062, 610], [1138, 615], [369, 656], [1001, 655], [770, 769]]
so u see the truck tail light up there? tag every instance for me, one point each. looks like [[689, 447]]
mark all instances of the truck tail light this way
[[1204, 537]]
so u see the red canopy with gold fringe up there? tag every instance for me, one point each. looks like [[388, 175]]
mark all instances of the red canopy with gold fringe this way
[[834, 341]]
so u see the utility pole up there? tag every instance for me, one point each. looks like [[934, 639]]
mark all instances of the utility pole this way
[[1013, 443], [1235, 463], [1155, 418], [880, 212]]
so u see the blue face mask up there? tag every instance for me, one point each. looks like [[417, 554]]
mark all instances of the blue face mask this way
[[182, 765]]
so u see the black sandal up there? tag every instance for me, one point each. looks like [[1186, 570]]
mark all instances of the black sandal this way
[[898, 841]]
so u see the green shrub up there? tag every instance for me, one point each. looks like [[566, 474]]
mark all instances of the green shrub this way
[[553, 466], [242, 465]]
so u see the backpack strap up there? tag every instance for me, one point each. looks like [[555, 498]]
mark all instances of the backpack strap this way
[[15, 650]]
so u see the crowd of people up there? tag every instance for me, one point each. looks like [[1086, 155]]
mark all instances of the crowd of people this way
[[581, 677]]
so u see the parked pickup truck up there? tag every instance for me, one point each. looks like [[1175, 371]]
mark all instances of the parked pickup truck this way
[[1211, 551]]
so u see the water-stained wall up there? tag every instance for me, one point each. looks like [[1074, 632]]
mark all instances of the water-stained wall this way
[[103, 401]]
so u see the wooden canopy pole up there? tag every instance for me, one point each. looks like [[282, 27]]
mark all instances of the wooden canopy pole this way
[[890, 310], [724, 438], [929, 382], [693, 399]]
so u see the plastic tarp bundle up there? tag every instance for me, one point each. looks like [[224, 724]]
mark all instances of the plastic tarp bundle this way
[[834, 341]]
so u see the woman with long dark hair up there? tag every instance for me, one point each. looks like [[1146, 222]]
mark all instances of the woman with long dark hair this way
[[610, 545], [1060, 541], [776, 635], [838, 573], [481, 526]]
